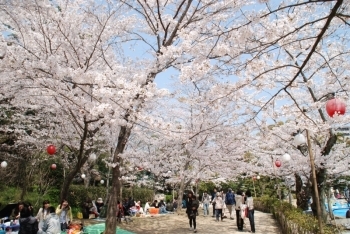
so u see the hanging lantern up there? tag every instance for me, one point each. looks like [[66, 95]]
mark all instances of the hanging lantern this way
[[258, 177], [83, 176], [92, 157], [286, 157], [335, 106], [278, 163], [53, 166], [102, 181], [299, 139], [51, 149], [3, 164]]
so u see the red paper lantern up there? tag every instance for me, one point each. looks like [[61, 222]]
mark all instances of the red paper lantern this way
[[53, 166], [51, 149], [335, 106], [278, 163]]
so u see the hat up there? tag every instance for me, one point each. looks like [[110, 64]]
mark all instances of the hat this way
[[99, 200]]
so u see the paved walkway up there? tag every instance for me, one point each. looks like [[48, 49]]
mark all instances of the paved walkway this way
[[178, 224]]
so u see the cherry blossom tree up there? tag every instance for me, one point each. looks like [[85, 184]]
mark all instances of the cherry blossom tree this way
[[263, 61]]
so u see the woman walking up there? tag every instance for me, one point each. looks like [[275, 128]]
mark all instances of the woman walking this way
[[193, 213], [250, 204], [239, 202], [219, 204]]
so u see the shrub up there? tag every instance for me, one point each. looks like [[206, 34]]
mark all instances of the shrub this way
[[290, 218]]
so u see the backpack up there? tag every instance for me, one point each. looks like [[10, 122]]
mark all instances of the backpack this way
[[229, 199]]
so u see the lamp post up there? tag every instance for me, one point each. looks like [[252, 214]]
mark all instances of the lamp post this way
[[299, 140]]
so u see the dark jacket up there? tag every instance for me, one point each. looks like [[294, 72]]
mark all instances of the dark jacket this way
[[188, 205], [28, 225], [195, 205]]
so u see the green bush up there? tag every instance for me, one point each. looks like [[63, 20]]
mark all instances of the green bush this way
[[168, 198], [286, 214], [139, 194]]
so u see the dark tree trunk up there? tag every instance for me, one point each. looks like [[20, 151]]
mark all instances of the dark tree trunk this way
[[81, 159], [321, 176], [302, 195], [69, 178], [111, 220]]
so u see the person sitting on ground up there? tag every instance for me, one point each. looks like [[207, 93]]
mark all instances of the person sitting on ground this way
[[175, 204], [147, 206], [51, 224], [139, 207], [16, 213], [93, 210], [28, 224], [99, 204], [155, 204], [133, 210], [162, 207], [42, 213]]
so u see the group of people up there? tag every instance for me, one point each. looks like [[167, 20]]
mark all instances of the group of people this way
[[242, 203], [47, 221], [92, 209], [128, 207]]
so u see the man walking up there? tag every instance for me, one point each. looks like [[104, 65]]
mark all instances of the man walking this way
[[230, 201]]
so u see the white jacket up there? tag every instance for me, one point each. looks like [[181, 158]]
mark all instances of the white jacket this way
[[239, 201], [249, 202], [219, 203]]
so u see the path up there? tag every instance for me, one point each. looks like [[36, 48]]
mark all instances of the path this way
[[178, 224]]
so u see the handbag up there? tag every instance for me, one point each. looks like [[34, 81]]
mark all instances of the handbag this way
[[192, 214]]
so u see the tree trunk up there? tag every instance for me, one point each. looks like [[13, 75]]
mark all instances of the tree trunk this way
[[321, 176], [81, 159], [68, 180], [111, 220], [300, 193], [180, 195]]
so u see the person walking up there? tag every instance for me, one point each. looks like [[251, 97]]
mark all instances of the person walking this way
[[193, 213], [230, 201], [189, 212], [219, 204], [206, 202], [212, 201], [250, 205], [239, 201], [64, 213]]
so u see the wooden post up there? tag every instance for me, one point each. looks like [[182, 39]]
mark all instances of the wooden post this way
[[314, 182]]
